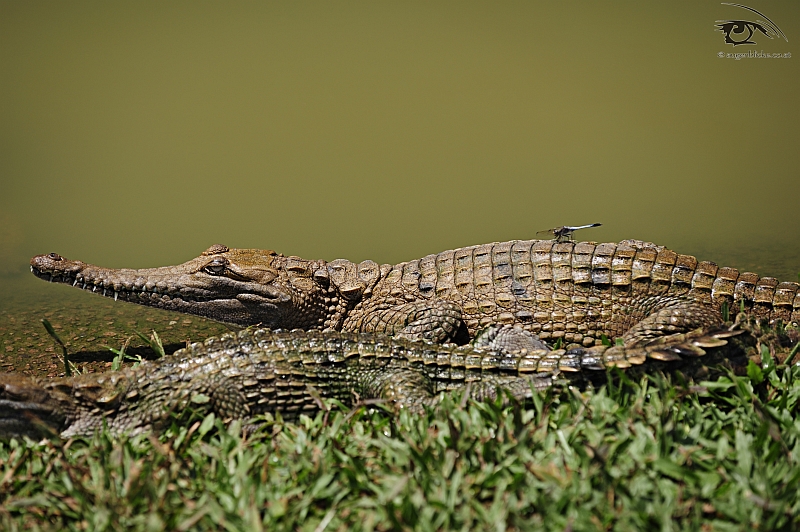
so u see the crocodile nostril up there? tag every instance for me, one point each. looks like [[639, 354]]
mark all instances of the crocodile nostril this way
[[55, 256]]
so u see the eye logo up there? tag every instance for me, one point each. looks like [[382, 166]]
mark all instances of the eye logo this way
[[735, 30]]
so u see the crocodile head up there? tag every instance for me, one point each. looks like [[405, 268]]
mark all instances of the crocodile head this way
[[239, 287], [28, 408], [68, 407]]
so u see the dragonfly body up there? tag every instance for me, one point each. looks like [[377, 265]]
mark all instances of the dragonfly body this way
[[564, 233]]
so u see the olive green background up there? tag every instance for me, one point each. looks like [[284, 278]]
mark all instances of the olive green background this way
[[139, 133]]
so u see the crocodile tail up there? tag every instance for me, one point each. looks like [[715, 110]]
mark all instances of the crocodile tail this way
[[673, 351], [524, 351]]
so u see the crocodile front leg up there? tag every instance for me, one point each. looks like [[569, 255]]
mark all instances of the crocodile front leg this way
[[437, 321]]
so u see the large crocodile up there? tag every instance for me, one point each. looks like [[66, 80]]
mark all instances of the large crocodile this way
[[238, 376], [578, 292]]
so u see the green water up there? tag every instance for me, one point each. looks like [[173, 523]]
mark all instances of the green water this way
[[138, 134]]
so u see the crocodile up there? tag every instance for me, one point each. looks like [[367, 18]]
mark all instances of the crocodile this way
[[257, 371], [574, 293]]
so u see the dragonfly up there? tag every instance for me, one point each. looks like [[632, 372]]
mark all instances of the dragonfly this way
[[564, 233]]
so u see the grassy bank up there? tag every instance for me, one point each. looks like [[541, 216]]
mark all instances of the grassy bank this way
[[645, 455]]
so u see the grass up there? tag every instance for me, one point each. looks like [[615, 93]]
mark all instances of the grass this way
[[644, 455], [120, 355], [69, 367], [154, 342]]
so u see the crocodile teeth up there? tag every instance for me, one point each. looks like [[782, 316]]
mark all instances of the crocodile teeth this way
[[115, 295], [76, 282]]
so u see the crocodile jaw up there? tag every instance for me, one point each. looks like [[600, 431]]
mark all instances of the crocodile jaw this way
[[27, 419], [183, 288], [28, 409]]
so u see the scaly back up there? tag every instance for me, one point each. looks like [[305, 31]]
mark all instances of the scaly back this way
[[579, 290]]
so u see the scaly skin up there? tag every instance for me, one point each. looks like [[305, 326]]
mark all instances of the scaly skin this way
[[238, 376], [578, 292]]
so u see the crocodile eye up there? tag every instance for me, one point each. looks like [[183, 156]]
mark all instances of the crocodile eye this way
[[54, 256], [216, 267]]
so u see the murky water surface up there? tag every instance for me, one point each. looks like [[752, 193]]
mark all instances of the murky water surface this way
[[138, 134]]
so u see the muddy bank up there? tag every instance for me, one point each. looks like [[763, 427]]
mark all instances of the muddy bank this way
[[87, 325]]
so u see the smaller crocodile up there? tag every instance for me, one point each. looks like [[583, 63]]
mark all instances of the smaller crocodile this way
[[241, 375], [578, 292]]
